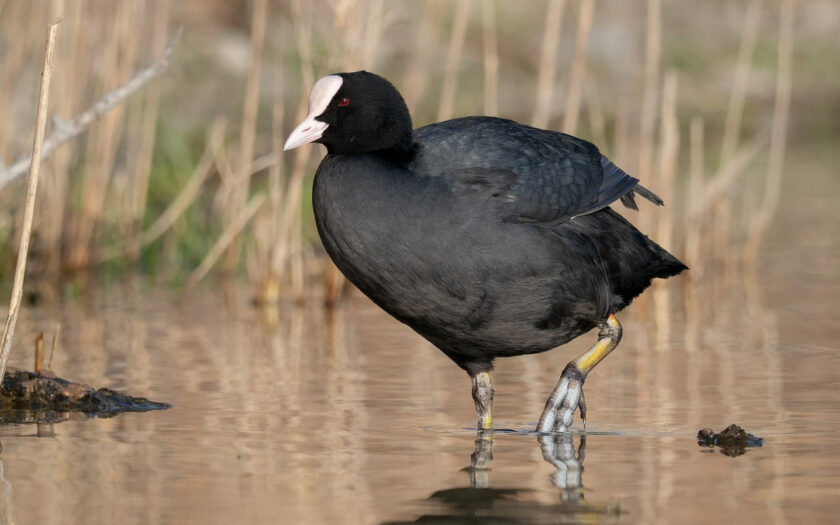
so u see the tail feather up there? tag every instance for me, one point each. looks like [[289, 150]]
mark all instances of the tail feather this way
[[617, 184]]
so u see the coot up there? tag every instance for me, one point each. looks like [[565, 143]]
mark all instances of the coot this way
[[487, 237]]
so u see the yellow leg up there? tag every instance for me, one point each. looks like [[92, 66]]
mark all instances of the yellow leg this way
[[608, 339], [482, 391], [568, 394]]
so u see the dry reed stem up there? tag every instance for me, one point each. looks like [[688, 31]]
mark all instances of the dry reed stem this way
[[105, 138], [596, 117], [548, 64], [778, 138], [416, 77], [148, 126], [667, 158], [224, 240], [247, 138], [67, 130], [183, 200], [72, 62], [373, 34], [264, 262], [694, 194], [491, 59], [666, 169], [54, 345], [31, 193], [453, 59], [38, 365], [651, 81], [735, 111], [691, 232], [578, 71]]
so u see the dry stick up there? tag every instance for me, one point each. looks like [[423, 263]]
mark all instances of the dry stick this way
[[247, 138], [491, 60], [104, 139], [694, 194], [735, 111], [373, 33], [416, 77], [596, 118], [39, 353], [648, 123], [54, 345], [453, 58], [143, 165], [778, 138], [178, 206], [291, 220], [573, 100], [66, 130], [548, 64], [31, 191], [666, 167], [230, 233]]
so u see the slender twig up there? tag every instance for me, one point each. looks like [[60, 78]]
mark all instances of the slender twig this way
[[54, 345], [67, 130], [31, 191]]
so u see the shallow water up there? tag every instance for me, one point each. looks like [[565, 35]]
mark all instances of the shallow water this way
[[300, 416]]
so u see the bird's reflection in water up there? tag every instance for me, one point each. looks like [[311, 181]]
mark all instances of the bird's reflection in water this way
[[480, 503]]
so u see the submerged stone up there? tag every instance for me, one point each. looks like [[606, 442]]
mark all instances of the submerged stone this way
[[732, 441], [30, 397]]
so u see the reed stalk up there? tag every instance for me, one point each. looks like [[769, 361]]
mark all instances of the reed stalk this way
[[31, 194], [778, 136], [491, 58], [578, 70], [416, 77], [651, 81], [735, 111], [453, 59], [142, 162], [247, 137], [548, 64]]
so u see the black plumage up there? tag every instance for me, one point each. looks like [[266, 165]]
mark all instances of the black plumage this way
[[487, 237]]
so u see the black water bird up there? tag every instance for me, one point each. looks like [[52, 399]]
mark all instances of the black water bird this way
[[487, 237]]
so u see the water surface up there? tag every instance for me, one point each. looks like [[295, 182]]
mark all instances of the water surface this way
[[305, 416]]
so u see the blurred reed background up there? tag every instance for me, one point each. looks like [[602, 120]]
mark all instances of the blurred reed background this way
[[189, 178]]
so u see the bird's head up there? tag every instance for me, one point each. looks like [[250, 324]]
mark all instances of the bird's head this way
[[355, 113]]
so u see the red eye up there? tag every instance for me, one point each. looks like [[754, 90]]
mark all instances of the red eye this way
[[344, 102]]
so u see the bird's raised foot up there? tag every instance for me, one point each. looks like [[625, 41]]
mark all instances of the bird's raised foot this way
[[564, 400]]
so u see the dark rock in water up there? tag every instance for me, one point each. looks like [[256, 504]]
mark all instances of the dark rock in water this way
[[30, 397], [732, 441]]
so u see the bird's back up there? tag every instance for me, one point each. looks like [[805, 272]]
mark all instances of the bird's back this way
[[479, 243]]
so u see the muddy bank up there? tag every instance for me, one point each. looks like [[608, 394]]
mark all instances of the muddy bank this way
[[29, 397]]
